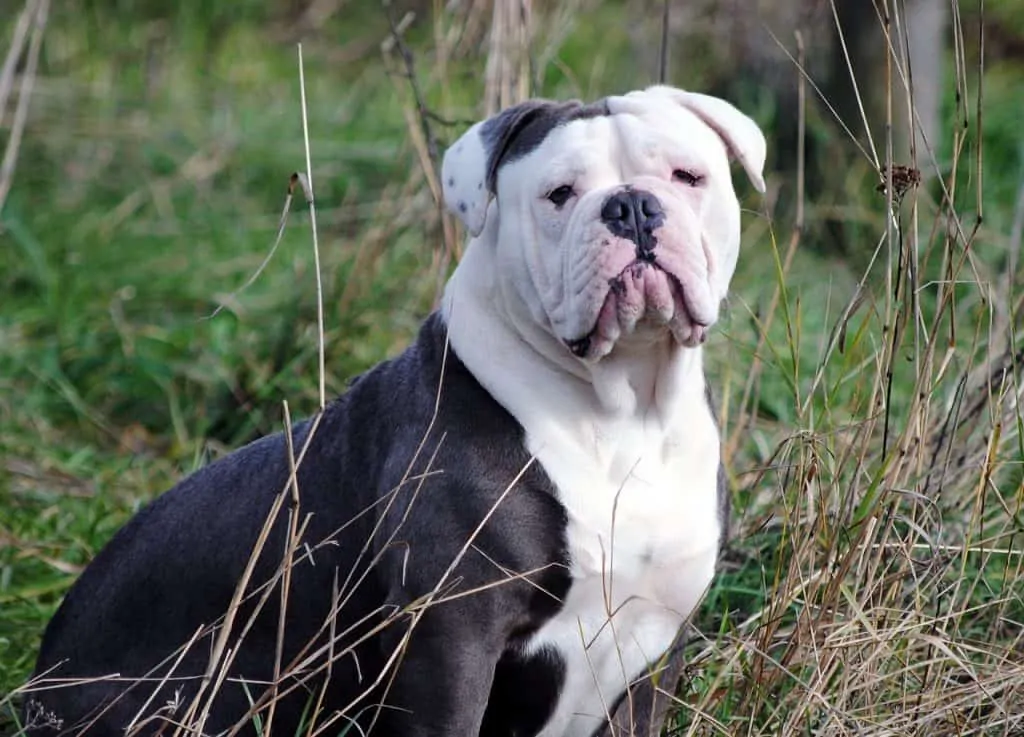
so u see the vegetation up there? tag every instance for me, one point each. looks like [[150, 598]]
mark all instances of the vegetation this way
[[873, 436]]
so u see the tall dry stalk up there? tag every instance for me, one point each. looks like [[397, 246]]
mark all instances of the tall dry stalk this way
[[34, 17], [508, 71]]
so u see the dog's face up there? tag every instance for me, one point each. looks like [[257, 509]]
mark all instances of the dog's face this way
[[613, 223]]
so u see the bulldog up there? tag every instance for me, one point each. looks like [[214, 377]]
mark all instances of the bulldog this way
[[500, 532]]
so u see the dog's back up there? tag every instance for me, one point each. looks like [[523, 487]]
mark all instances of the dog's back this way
[[136, 633]]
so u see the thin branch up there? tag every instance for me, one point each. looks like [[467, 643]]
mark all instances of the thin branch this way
[[448, 122], [398, 43]]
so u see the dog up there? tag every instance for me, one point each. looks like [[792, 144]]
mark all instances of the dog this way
[[500, 532]]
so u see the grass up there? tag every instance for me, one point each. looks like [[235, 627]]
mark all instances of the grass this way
[[873, 585]]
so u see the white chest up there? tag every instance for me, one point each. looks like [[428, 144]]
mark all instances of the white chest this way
[[643, 537]]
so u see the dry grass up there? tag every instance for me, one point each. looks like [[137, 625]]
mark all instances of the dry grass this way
[[894, 603], [30, 26]]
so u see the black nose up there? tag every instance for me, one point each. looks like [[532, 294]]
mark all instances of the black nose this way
[[634, 214]]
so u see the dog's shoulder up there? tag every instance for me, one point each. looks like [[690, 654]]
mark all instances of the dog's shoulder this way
[[460, 458]]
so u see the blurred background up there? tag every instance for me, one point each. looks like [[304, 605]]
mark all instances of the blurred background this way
[[147, 148]]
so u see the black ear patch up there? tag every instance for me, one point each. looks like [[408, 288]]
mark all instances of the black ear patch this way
[[515, 132]]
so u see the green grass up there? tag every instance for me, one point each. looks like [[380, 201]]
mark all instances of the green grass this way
[[859, 590]]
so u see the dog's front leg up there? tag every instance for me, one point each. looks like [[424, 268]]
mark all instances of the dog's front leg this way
[[443, 673], [644, 709]]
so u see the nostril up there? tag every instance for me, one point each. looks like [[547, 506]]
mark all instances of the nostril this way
[[650, 207], [632, 214], [616, 209]]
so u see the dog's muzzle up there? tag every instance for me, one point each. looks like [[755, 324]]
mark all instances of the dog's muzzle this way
[[646, 289], [634, 214]]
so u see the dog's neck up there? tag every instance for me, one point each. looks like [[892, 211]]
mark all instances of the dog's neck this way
[[639, 398]]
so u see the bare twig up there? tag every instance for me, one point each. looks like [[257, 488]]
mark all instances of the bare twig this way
[[421, 132], [396, 41]]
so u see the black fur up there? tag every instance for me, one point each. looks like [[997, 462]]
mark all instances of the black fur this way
[[174, 568], [518, 130]]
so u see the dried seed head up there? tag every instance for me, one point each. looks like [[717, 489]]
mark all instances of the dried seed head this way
[[904, 178]]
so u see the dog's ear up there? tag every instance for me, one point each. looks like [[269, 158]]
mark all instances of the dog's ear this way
[[469, 171], [743, 137]]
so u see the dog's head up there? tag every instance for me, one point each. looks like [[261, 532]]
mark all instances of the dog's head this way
[[612, 222]]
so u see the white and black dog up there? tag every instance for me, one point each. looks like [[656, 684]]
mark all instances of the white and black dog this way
[[503, 527]]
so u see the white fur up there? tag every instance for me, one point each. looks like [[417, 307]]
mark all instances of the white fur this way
[[741, 135], [463, 179], [626, 436]]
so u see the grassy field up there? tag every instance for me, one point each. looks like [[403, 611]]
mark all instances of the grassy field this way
[[873, 436]]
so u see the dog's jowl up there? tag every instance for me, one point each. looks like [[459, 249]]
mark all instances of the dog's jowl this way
[[496, 533]]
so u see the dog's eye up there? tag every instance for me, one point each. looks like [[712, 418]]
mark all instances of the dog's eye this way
[[560, 195], [687, 177]]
